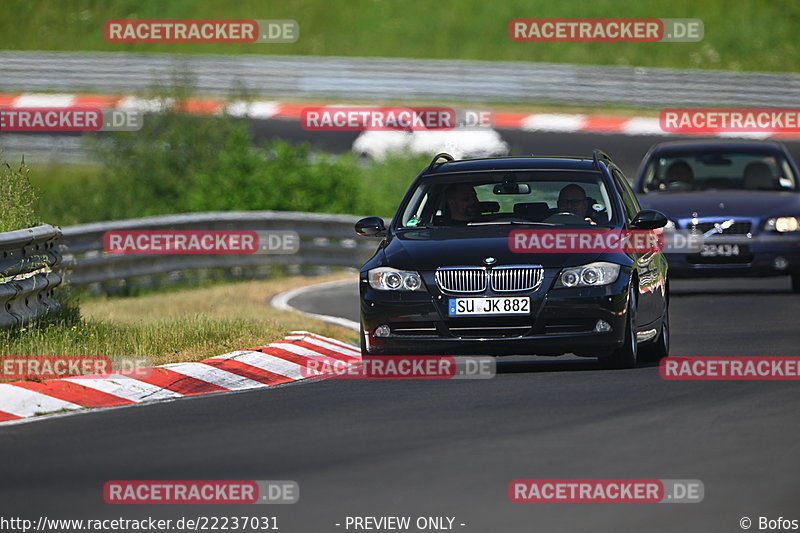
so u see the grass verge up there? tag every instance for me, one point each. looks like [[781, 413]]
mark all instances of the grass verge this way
[[754, 36], [187, 325], [17, 197]]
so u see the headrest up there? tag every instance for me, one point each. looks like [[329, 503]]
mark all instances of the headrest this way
[[488, 207], [757, 175]]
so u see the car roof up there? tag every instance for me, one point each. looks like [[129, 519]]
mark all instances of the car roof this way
[[513, 163], [717, 146]]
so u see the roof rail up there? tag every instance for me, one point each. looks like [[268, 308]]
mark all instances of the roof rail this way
[[598, 155], [437, 157]]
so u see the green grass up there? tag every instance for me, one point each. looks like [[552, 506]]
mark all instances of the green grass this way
[[17, 196], [184, 325], [752, 36]]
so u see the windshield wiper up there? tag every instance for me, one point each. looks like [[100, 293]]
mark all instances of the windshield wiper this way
[[503, 222]]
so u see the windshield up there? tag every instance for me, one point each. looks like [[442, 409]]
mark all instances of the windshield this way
[[698, 172], [550, 198]]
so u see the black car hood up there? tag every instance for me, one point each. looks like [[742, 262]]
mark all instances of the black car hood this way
[[756, 204], [427, 249]]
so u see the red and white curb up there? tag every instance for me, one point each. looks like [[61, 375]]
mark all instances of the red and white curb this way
[[280, 362], [544, 122]]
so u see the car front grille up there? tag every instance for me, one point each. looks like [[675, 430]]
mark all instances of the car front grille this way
[[473, 280], [489, 327], [461, 279], [512, 279], [737, 228]]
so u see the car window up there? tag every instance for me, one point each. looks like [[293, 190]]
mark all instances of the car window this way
[[413, 213], [629, 202], [736, 170], [533, 197]]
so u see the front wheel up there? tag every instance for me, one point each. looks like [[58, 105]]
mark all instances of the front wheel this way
[[363, 340], [660, 348], [625, 355]]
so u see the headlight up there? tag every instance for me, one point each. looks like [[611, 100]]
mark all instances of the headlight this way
[[391, 279], [591, 275], [783, 224]]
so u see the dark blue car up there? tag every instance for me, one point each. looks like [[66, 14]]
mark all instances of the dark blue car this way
[[741, 197]]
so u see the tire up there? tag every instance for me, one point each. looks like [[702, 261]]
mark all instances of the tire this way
[[363, 341], [625, 356], [796, 282], [659, 349]]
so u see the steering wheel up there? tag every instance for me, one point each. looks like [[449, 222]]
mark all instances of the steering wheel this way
[[565, 217], [678, 186]]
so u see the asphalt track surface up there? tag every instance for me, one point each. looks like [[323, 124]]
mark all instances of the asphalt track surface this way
[[450, 448]]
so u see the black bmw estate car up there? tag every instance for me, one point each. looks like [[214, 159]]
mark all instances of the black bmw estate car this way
[[446, 278]]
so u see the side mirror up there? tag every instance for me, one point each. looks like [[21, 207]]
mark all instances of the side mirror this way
[[371, 227], [649, 219]]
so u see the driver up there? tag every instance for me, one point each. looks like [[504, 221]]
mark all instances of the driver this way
[[462, 202], [572, 199], [680, 173]]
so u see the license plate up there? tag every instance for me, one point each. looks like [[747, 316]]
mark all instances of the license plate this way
[[489, 306], [719, 250]]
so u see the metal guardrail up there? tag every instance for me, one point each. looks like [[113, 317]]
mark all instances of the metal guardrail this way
[[44, 148], [325, 241], [399, 79], [26, 276]]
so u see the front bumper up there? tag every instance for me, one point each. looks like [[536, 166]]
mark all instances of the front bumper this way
[[561, 321], [766, 255]]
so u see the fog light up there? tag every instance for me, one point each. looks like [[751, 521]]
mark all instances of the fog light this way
[[780, 263], [602, 326], [382, 331]]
